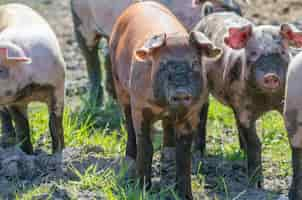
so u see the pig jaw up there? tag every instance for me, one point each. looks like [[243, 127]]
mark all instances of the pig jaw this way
[[269, 73], [177, 86]]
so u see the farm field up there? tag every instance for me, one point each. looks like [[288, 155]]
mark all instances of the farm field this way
[[89, 167]]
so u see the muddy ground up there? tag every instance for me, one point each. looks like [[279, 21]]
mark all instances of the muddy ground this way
[[19, 170]]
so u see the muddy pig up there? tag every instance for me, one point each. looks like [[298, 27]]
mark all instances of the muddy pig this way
[[31, 69], [158, 75], [249, 78], [94, 19]]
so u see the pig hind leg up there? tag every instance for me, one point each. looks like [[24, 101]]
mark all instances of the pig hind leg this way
[[91, 55], [7, 129], [248, 134], [56, 109], [19, 115]]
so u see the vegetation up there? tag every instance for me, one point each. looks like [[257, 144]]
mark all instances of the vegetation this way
[[88, 128]]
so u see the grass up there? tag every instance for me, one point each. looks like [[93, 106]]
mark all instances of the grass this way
[[82, 128]]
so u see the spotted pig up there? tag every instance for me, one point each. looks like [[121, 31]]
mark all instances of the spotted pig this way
[[249, 78]]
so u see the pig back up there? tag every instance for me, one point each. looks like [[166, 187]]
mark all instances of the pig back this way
[[215, 26]]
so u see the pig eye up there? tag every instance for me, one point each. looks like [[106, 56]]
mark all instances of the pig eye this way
[[3, 73]]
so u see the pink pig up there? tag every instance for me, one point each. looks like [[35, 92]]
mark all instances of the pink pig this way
[[31, 69]]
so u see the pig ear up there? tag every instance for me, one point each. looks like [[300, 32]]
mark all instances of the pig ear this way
[[238, 37], [291, 35], [143, 53], [201, 42], [5, 56]]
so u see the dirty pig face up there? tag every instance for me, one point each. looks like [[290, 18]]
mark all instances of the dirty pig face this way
[[178, 82], [268, 59], [176, 68]]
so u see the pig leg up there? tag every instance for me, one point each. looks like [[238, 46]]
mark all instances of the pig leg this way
[[91, 55], [200, 137], [131, 142], [109, 77], [296, 187], [142, 125], [19, 115], [247, 131], [293, 126], [168, 154], [184, 138], [56, 109], [7, 129]]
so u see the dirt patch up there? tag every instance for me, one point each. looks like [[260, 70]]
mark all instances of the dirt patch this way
[[19, 170]]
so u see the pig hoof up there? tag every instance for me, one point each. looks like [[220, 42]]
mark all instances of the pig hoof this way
[[129, 168], [168, 167]]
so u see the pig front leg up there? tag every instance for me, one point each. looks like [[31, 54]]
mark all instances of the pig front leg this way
[[8, 131], [184, 139], [56, 109], [19, 115], [142, 121], [200, 138], [252, 146], [168, 154]]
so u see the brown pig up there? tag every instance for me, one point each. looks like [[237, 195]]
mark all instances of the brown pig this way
[[249, 77], [158, 75], [31, 69]]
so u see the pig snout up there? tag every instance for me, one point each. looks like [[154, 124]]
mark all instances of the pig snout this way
[[180, 98], [271, 81]]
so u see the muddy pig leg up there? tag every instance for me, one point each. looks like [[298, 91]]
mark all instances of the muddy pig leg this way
[[200, 138], [247, 132], [56, 109], [142, 121], [168, 162], [7, 129], [91, 55], [19, 115]]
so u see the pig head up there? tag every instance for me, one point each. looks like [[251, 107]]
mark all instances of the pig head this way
[[177, 77]]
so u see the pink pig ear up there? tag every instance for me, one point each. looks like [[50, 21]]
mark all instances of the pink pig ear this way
[[238, 37], [4, 55], [292, 35]]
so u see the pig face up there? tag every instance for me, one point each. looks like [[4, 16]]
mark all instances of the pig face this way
[[267, 54], [177, 73], [12, 58]]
